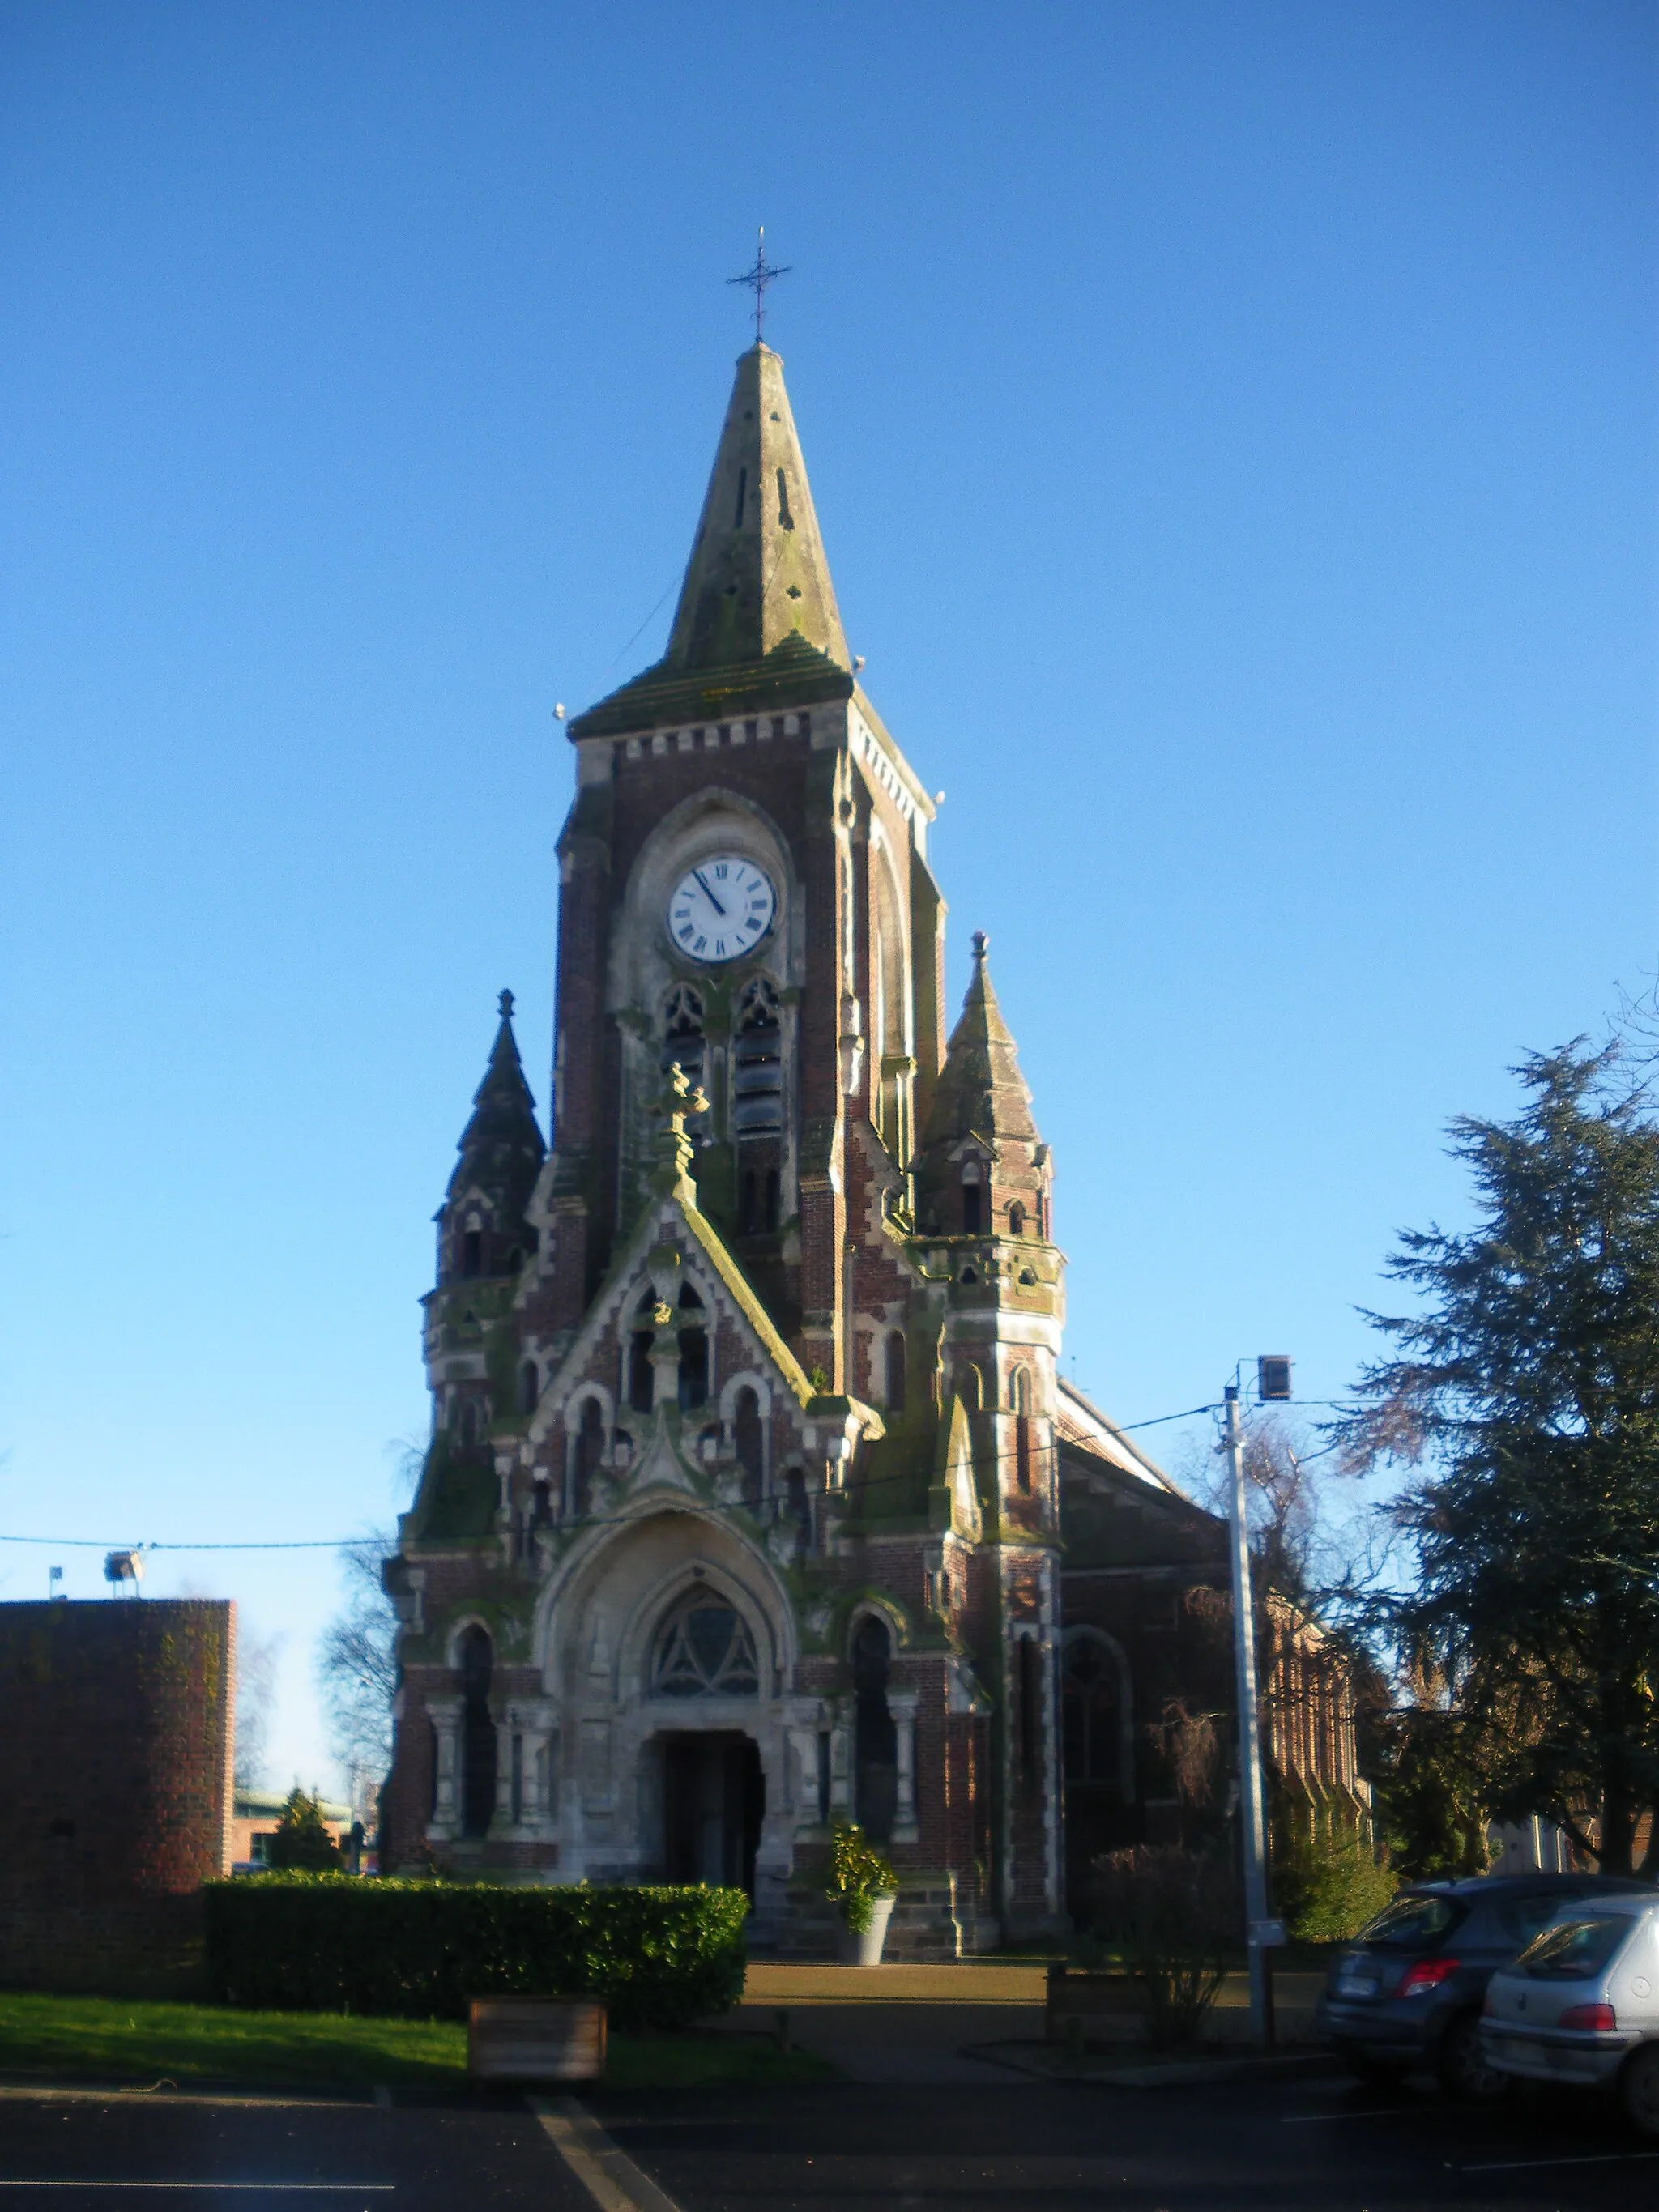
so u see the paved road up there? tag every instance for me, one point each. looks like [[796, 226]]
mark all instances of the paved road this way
[[1312, 2143], [259, 2155]]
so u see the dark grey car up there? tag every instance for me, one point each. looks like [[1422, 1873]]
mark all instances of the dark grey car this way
[[1408, 1991]]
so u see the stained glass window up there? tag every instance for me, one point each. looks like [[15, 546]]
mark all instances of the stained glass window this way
[[704, 1649]]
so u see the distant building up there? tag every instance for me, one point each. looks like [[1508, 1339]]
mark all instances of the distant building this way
[[744, 1510], [255, 1820], [116, 1740], [1147, 1668]]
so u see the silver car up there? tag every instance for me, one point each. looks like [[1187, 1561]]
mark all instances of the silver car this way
[[1581, 2004]]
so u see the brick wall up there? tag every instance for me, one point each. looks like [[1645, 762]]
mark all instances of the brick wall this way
[[117, 1740]]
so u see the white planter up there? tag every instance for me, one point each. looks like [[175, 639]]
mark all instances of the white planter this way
[[864, 1950]]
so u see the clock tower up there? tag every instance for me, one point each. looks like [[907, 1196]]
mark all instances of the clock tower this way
[[740, 1516]]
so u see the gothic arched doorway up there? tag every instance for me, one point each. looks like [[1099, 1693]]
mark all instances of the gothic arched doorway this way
[[714, 1800]]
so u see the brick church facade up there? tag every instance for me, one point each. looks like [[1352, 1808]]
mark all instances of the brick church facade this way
[[746, 1506]]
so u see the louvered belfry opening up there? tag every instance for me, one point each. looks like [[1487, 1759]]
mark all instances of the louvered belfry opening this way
[[758, 1108]]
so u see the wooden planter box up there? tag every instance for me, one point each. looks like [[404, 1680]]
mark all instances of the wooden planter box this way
[[1089, 2008], [535, 2039]]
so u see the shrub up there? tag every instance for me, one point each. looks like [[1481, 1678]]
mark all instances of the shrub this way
[[858, 1876], [302, 1842], [659, 1957], [1175, 1919], [1328, 1883]]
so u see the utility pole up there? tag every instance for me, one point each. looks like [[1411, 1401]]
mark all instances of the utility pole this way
[[1252, 1798]]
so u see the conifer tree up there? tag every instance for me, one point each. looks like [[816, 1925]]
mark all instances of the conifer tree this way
[[301, 1842], [1526, 1390]]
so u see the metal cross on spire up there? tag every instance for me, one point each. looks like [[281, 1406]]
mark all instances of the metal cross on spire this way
[[757, 279]]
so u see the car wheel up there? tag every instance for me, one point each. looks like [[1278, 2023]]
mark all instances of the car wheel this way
[[1639, 2088], [1460, 2064], [1381, 2073]]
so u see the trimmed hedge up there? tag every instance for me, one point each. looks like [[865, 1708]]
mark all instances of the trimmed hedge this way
[[659, 1957]]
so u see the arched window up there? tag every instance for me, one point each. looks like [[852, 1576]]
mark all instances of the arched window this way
[[641, 1379], [539, 1517], [893, 1380], [797, 1508], [585, 1464], [971, 1387], [875, 1736], [529, 1387], [472, 1252], [694, 1351], [469, 1422], [477, 1733], [704, 1649], [1016, 1219], [1022, 1395], [973, 1198], [1091, 1713], [749, 1441], [757, 1063]]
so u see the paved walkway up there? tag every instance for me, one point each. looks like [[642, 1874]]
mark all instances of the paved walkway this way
[[915, 2023], [901, 2023]]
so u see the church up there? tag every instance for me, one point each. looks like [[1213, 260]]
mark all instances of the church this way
[[756, 1498]]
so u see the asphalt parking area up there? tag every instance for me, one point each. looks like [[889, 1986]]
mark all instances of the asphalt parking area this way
[[1313, 2142]]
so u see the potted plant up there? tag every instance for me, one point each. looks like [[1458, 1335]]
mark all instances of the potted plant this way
[[862, 1888]]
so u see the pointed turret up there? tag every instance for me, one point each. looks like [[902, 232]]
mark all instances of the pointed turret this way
[[982, 1169], [757, 625], [483, 1230]]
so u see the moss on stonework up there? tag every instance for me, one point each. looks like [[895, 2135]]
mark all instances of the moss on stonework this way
[[501, 1346], [458, 1492], [847, 1602]]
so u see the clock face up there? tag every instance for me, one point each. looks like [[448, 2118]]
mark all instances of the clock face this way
[[721, 909]]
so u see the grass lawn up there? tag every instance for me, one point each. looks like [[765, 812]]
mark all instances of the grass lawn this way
[[120, 2039]]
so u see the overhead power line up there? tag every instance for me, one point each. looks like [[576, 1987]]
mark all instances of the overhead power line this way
[[591, 1520]]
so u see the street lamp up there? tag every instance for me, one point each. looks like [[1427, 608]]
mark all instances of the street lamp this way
[[124, 1568], [1273, 1385]]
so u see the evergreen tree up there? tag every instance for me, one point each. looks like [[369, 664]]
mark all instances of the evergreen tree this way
[[302, 1841], [1527, 1387]]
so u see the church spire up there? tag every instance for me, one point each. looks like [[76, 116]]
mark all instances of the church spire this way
[[758, 572], [756, 628]]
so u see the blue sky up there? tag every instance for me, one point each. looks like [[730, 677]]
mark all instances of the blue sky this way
[[1233, 428]]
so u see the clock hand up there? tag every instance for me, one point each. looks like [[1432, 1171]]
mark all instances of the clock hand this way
[[709, 895]]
